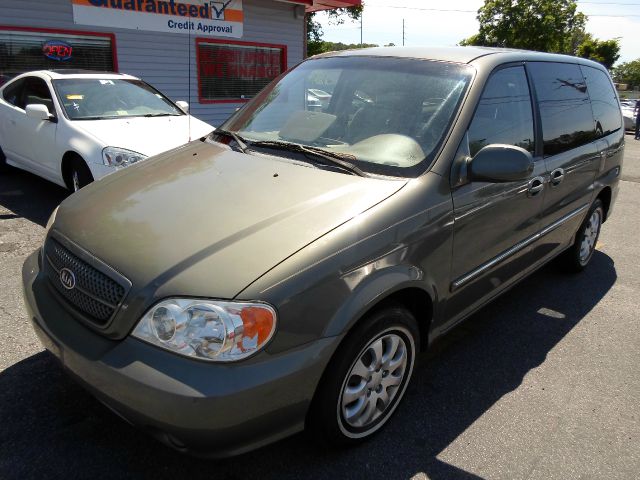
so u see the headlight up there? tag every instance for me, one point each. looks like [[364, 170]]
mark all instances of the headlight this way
[[52, 219], [208, 329], [120, 157]]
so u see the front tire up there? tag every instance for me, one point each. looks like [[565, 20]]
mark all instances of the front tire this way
[[366, 379], [79, 175], [578, 256]]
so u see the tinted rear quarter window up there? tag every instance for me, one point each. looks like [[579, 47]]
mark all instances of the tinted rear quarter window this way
[[604, 101], [567, 119], [12, 93]]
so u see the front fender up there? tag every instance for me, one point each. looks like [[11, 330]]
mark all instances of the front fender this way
[[372, 285]]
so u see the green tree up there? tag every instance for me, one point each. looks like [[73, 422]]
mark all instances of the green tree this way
[[607, 52], [542, 25], [336, 17], [628, 72]]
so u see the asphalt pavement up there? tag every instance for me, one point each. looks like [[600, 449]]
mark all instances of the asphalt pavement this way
[[541, 384]]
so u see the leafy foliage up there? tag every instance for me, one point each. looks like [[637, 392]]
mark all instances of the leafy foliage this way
[[322, 46], [542, 25], [607, 52], [337, 16], [628, 72]]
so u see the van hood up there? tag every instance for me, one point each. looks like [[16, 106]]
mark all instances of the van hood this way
[[146, 135], [203, 220]]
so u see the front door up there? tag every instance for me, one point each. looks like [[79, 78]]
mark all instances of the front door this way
[[495, 222], [35, 139]]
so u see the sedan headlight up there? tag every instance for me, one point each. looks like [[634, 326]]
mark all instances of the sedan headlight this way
[[208, 329], [120, 157]]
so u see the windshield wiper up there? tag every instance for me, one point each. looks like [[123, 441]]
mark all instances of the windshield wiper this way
[[242, 143], [333, 159], [147, 115]]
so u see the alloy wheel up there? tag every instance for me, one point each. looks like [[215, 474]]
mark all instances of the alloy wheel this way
[[75, 179], [590, 236], [375, 382]]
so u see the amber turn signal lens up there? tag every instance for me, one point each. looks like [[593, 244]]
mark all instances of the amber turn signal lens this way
[[257, 321]]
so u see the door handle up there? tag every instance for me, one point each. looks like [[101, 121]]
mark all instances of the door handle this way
[[557, 176], [536, 185]]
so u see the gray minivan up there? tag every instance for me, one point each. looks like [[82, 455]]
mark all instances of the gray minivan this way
[[284, 271]]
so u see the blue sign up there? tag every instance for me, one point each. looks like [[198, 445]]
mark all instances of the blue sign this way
[[57, 50]]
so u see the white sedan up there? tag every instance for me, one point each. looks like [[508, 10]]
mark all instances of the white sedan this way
[[72, 128]]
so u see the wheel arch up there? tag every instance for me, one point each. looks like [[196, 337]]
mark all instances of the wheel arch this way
[[605, 197], [412, 295]]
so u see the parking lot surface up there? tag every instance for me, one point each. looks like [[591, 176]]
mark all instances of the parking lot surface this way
[[542, 383]]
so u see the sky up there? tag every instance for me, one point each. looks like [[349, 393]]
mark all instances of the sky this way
[[437, 23]]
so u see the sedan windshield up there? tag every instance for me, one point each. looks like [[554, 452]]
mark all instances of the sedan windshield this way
[[385, 115], [95, 98]]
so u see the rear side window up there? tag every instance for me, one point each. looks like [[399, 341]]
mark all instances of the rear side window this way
[[567, 120], [504, 114], [12, 93], [604, 101]]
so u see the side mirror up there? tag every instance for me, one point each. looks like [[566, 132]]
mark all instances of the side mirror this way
[[184, 106], [38, 111], [501, 163]]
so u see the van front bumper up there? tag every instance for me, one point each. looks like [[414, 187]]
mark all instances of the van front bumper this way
[[202, 408]]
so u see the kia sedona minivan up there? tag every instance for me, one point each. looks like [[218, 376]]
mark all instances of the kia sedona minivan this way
[[284, 272]]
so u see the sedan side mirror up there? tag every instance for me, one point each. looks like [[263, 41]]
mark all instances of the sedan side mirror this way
[[501, 163], [184, 106], [38, 111]]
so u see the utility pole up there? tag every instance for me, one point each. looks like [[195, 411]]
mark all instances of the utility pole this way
[[403, 32], [361, 15]]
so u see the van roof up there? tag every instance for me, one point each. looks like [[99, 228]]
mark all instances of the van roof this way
[[460, 54]]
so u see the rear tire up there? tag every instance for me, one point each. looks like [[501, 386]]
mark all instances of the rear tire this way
[[78, 175], [4, 167], [578, 256], [366, 379]]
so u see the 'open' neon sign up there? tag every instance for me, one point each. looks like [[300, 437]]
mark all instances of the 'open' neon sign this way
[[57, 50]]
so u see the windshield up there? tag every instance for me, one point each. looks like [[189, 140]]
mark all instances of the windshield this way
[[387, 115], [95, 98]]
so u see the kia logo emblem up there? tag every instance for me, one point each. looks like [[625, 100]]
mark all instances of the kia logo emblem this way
[[67, 279]]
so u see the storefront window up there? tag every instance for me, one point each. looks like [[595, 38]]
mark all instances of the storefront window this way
[[23, 51], [231, 72]]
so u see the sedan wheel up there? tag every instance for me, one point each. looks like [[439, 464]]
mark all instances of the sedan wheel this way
[[75, 180], [79, 175]]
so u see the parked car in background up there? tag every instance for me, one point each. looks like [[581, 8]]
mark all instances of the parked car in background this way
[[72, 127], [629, 115], [284, 272]]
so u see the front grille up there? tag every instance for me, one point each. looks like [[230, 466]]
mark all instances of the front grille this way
[[95, 294]]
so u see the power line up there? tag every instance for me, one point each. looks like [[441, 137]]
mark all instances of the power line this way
[[611, 3], [452, 10]]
